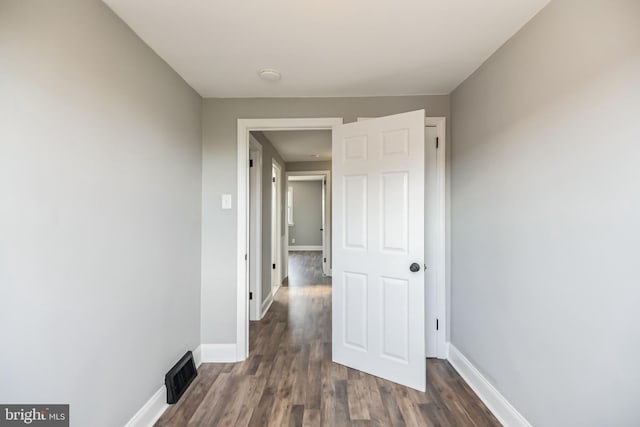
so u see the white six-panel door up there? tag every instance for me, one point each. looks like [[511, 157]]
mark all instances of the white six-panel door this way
[[378, 213]]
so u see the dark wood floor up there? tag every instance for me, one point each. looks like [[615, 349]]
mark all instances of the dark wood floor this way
[[289, 379], [305, 268]]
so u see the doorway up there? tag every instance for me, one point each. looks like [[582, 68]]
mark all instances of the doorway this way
[[315, 233], [244, 127]]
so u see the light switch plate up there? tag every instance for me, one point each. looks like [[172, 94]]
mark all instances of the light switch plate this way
[[226, 201]]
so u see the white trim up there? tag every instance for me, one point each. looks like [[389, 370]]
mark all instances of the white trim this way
[[242, 166], [219, 353], [276, 226], [197, 356], [440, 123], [257, 241], [153, 409], [442, 277], [326, 250], [492, 398], [242, 267], [304, 178], [266, 305], [283, 258], [275, 290], [290, 222], [305, 248]]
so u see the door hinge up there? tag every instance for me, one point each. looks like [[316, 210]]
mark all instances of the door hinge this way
[[437, 325], [437, 142], [325, 260], [245, 257], [250, 295], [274, 266], [250, 163], [273, 179]]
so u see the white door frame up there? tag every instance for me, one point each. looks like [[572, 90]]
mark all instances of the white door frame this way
[[256, 243], [326, 250], [442, 275], [245, 126], [443, 278], [276, 228]]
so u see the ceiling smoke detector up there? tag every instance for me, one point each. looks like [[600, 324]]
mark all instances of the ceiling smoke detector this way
[[269, 74]]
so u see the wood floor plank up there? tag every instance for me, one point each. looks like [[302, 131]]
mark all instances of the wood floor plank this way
[[377, 410], [249, 404], [302, 376], [311, 418], [357, 398], [297, 416], [213, 402], [261, 414], [408, 407], [283, 400], [235, 403], [289, 378], [341, 404], [327, 402], [389, 401]]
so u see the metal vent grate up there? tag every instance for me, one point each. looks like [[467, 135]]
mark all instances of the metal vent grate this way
[[179, 377]]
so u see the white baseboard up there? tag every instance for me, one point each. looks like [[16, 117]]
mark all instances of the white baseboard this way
[[218, 353], [151, 411], [157, 404], [266, 304], [197, 356], [495, 401], [305, 248]]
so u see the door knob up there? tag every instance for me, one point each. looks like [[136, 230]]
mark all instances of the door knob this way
[[415, 267]]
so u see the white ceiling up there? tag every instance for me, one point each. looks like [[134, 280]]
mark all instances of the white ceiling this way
[[299, 145], [325, 47]]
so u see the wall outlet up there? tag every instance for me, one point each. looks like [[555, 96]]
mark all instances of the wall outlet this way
[[293, 240]]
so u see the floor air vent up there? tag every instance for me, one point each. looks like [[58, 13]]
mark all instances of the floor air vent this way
[[179, 377]]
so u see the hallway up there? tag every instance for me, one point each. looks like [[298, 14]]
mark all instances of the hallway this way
[[305, 268], [289, 379]]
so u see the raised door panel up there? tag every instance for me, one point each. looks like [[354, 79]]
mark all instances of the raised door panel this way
[[394, 196], [355, 310], [355, 211], [394, 322]]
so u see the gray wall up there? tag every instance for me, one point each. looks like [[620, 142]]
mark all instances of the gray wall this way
[[269, 154], [219, 176], [546, 216], [324, 165], [307, 213], [100, 185]]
